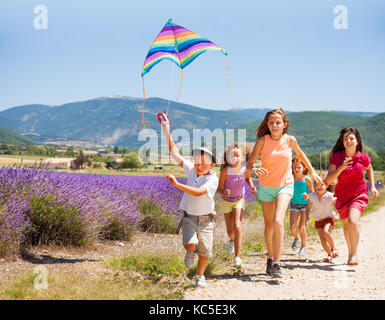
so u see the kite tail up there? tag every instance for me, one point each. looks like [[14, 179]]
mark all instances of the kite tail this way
[[180, 86], [144, 99], [227, 75]]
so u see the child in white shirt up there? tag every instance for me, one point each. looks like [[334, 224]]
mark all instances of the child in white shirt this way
[[197, 203], [322, 202]]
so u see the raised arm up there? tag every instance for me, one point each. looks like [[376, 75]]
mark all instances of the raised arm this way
[[171, 145], [334, 172], [304, 159]]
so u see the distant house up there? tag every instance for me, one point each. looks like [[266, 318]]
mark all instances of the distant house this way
[[90, 152], [58, 163], [105, 153]]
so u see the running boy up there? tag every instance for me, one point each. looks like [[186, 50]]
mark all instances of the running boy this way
[[197, 203]]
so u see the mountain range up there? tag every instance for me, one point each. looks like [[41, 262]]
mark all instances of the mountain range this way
[[117, 121]]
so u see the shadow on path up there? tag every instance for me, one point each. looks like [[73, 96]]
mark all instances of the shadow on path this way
[[47, 259]]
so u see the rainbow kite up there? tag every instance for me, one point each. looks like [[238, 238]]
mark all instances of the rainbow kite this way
[[179, 45]]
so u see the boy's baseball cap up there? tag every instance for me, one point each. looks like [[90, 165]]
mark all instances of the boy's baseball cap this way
[[206, 148]]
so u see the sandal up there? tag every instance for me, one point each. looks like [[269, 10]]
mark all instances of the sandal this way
[[353, 261], [334, 253], [328, 259]]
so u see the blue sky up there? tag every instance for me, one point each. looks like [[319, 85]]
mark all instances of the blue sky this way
[[283, 53]]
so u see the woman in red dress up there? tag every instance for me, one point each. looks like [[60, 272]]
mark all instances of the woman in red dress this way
[[348, 164]]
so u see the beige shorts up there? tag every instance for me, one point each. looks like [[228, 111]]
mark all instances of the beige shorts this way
[[199, 231], [228, 206]]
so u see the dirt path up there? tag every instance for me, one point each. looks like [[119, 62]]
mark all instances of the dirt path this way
[[304, 278], [309, 277]]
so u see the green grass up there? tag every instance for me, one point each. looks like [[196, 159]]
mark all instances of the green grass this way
[[165, 272], [154, 219], [154, 266], [20, 288]]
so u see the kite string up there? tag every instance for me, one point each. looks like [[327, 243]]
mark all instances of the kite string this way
[[169, 85], [227, 75], [144, 99], [180, 85]]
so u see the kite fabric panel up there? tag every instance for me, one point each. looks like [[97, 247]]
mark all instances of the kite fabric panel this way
[[179, 45]]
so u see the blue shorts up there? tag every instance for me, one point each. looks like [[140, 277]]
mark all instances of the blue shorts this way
[[297, 207], [267, 194]]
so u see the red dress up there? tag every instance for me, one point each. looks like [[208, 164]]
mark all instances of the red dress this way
[[351, 190]]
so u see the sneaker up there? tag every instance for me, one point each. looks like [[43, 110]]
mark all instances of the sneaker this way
[[302, 251], [277, 273], [295, 245], [200, 281], [230, 247], [238, 263], [269, 267], [189, 259]]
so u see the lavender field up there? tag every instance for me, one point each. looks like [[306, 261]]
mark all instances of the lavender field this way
[[38, 206]]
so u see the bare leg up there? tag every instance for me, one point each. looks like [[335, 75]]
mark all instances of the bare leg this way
[[229, 220], [347, 236], [190, 247], [282, 202], [324, 242], [238, 214], [327, 235], [268, 208], [302, 228], [354, 232], [202, 264], [293, 223]]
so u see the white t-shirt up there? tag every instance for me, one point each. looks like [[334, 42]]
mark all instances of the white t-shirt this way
[[324, 207], [203, 204]]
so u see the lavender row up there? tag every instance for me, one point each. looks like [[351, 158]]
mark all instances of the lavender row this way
[[29, 195]]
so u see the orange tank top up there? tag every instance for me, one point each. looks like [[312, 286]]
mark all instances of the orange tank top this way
[[276, 158]]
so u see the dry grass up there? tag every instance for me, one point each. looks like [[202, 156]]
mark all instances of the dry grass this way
[[93, 282]]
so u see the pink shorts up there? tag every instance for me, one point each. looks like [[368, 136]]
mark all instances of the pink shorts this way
[[360, 203]]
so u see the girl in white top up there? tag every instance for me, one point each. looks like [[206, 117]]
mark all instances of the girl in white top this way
[[322, 201]]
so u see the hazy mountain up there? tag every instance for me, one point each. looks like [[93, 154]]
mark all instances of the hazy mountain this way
[[111, 120], [117, 121]]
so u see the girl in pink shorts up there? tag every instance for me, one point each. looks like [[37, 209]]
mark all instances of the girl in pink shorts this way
[[348, 164]]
